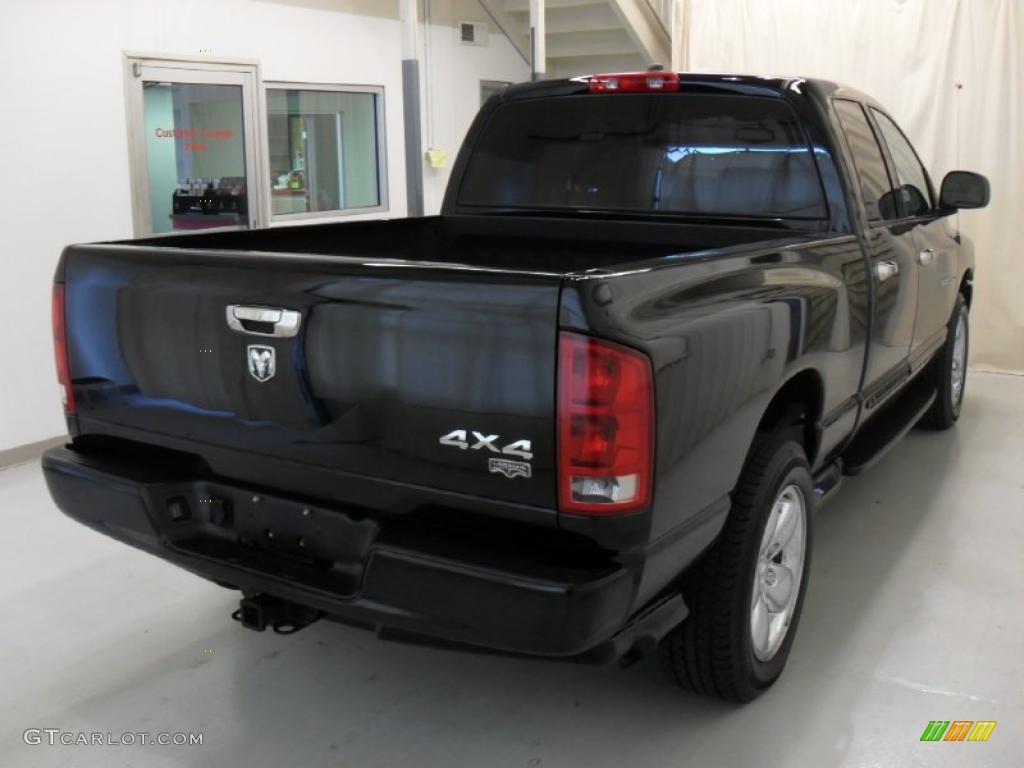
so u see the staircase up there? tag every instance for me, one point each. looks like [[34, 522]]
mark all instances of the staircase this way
[[586, 36]]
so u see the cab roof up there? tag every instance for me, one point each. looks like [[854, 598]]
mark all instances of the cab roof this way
[[761, 85]]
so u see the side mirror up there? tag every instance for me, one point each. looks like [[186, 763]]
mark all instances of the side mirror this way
[[964, 189]]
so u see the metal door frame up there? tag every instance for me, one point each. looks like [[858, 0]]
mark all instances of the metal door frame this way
[[197, 71]]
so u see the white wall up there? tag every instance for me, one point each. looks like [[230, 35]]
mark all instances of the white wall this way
[[451, 75], [64, 176], [910, 55]]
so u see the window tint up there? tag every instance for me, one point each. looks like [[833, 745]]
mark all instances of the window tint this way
[[913, 180], [867, 157], [679, 153]]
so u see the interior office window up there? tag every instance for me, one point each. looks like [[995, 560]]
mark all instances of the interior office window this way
[[914, 190], [325, 150], [867, 157]]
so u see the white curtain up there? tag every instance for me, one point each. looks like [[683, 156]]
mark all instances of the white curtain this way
[[951, 73]]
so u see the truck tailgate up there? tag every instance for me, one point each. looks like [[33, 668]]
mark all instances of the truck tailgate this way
[[435, 375]]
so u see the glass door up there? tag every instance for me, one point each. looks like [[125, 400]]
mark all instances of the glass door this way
[[192, 127]]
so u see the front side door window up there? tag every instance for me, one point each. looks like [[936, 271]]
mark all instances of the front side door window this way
[[875, 184], [912, 187]]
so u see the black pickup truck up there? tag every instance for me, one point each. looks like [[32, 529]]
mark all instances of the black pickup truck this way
[[588, 411]]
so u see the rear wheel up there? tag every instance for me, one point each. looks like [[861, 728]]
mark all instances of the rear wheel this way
[[948, 371], [746, 592]]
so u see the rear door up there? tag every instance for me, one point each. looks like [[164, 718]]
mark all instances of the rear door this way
[[388, 370], [892, 250]]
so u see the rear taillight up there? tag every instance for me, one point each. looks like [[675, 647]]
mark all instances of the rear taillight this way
[[634, 82], [605, 427], [60, 347]]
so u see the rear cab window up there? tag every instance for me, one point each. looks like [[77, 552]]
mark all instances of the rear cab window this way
[[699, 154]]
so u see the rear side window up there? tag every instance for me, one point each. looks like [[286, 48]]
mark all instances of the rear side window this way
[[867, 158], [663, 153], [913, 190]]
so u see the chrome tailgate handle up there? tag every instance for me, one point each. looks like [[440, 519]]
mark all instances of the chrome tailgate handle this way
[[264, 321]]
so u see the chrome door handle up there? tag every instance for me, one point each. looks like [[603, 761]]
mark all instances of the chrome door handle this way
[[926, 257], [886, 269], [263, 321]]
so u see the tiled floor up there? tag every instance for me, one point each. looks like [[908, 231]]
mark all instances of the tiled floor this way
[[915, 612]]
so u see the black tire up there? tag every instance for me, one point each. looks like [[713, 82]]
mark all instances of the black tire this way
[[712, 652], [946, 408]]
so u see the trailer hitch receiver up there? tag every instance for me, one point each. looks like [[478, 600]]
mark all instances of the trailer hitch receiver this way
[[257, 612]]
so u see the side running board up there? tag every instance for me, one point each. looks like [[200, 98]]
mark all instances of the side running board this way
[[885, 428], [827, 481]]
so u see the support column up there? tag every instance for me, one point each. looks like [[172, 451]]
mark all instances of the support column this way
[[411, 107], [538, 40], [678, 30]]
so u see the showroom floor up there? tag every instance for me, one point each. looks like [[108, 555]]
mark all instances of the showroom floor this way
[[915, 612]]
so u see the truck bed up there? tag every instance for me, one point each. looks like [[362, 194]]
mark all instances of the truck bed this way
[[409, 330], [515, 243]]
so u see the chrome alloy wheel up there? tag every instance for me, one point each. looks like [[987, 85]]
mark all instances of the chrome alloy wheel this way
[[780, 567], [959, 362]]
